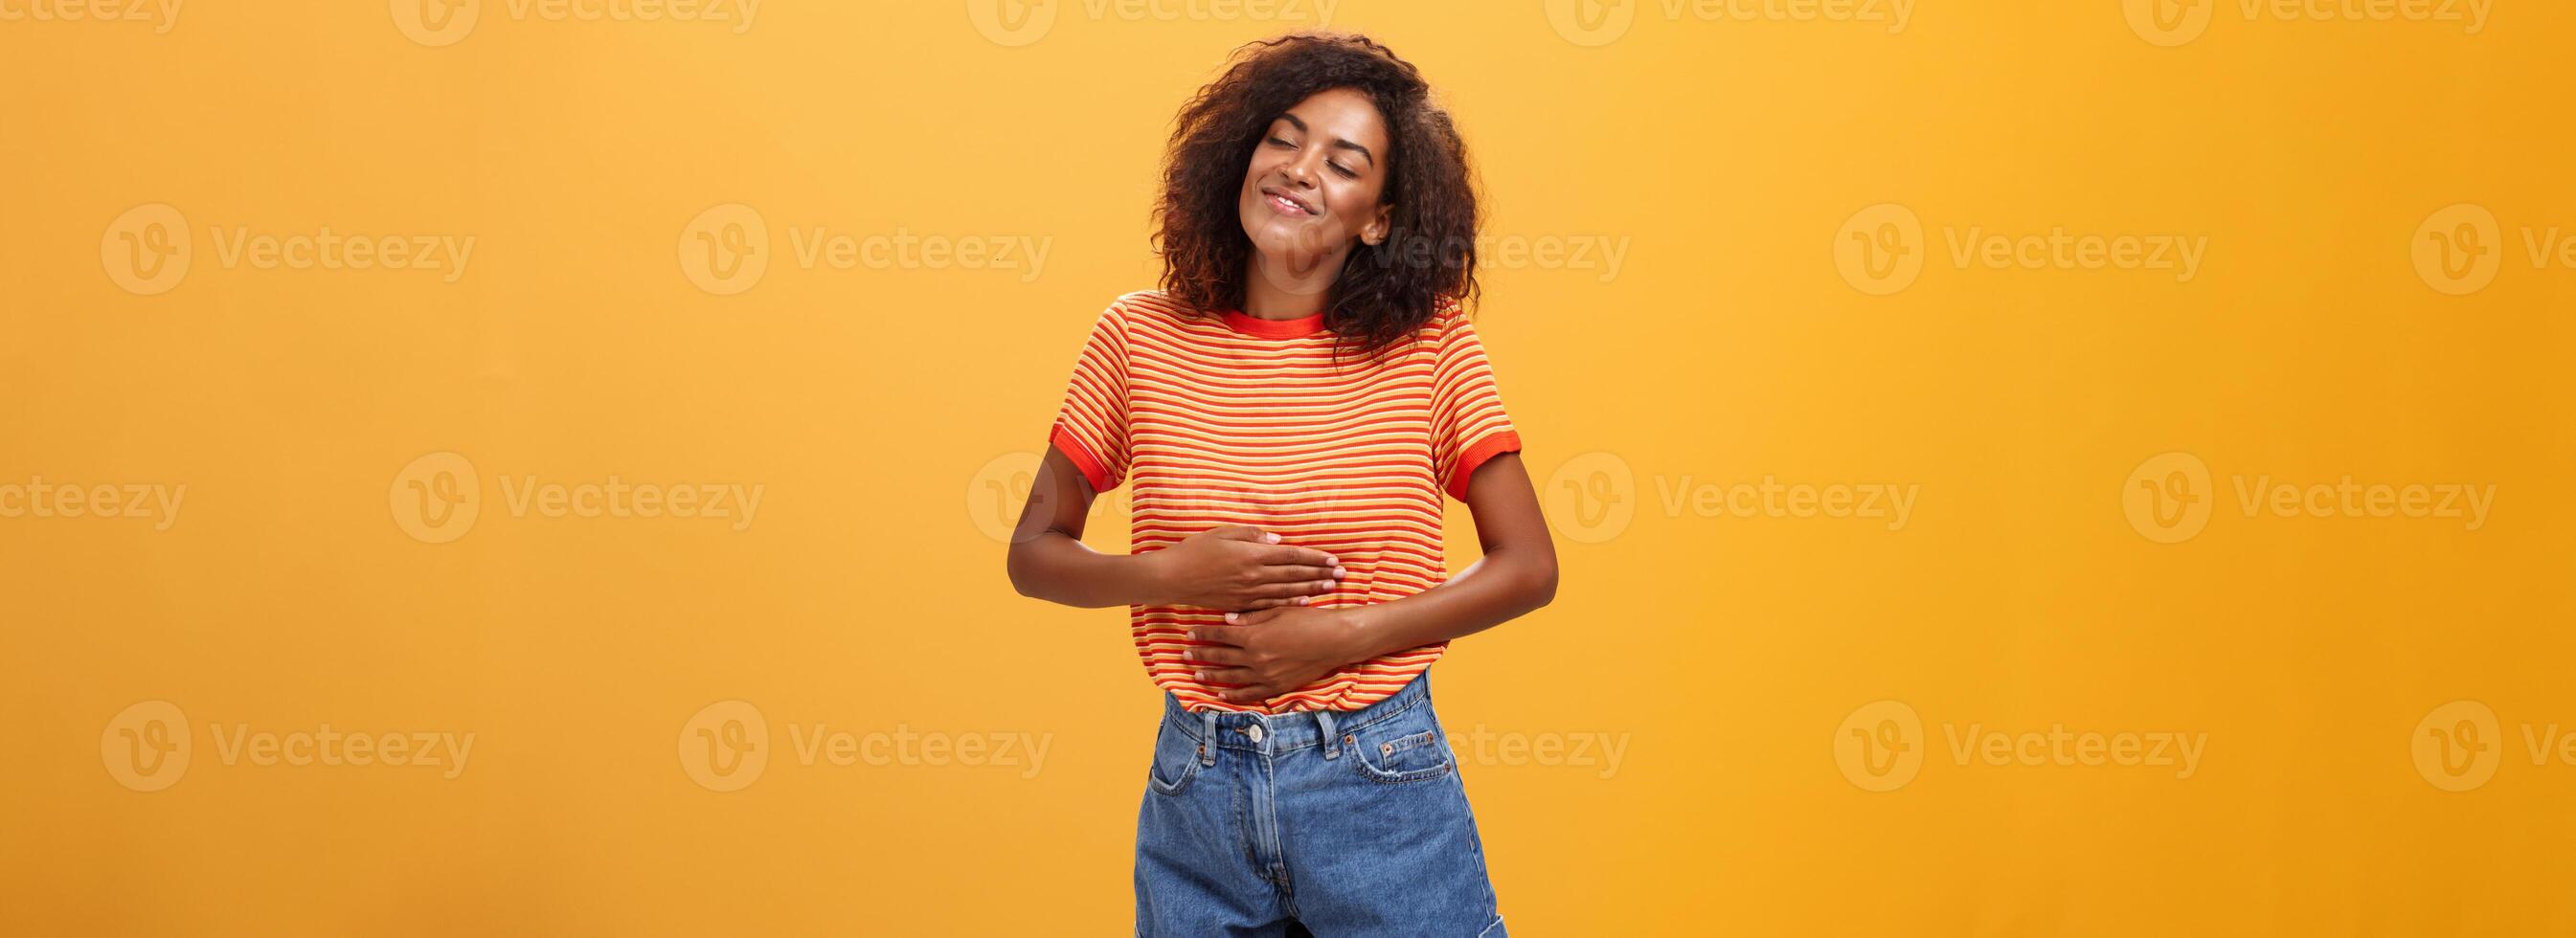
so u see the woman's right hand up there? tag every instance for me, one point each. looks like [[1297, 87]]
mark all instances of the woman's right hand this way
[[1241, 568]]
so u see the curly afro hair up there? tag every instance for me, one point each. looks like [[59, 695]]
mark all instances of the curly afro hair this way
[[1384, 293]]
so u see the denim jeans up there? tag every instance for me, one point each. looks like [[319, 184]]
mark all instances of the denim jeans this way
[[1328, 822]]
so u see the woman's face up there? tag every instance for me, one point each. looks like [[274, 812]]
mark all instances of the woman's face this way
[[1315, 180]]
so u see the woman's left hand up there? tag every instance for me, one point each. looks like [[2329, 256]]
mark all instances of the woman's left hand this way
[[1268, 652]]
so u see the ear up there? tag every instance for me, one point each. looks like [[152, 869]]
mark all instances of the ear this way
[[1379, 224]]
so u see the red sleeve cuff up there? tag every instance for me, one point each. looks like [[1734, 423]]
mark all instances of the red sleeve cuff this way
[[1092, 470], [1508, 441]]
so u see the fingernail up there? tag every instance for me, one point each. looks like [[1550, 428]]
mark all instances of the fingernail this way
[[1229, 617], [1339, 573], [1331, 560], [1272, 538], [1301, 600]]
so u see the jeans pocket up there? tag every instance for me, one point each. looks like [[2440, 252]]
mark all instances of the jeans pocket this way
[[1176, 760], [1404, 749]]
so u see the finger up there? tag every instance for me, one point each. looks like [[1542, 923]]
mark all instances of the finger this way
[[1288, 590], [1231, 636], [1308, 587], [1245, 532], [1301, 572], [1221, 656], [1301, 556], [1275, 603], [1209, 635], [1250, 618], [1245, 693], [1223, 678]]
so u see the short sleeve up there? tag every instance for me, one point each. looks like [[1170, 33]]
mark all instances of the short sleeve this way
[[1468, 423], [1091, 428]]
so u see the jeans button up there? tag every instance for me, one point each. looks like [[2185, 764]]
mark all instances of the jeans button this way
[[1253, 731]]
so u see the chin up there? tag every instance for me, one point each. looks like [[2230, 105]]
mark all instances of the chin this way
[[1272, 235]]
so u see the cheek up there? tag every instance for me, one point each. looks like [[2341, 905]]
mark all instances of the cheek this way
[[1356, 209], [1263, 165]]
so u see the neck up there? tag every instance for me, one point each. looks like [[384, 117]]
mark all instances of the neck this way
[[1289, 287]]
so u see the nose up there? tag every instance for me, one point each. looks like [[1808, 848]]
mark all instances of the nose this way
[[1298, 173]]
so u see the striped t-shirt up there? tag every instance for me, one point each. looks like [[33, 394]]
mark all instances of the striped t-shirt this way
[[1226, 419]]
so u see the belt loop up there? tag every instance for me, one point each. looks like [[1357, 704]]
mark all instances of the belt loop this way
[[1207, 738], [1332, 742]]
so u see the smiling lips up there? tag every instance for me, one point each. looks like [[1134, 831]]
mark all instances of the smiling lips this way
[[1286, 204]]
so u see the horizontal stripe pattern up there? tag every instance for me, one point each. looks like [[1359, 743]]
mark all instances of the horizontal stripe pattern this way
[[1218, 419]]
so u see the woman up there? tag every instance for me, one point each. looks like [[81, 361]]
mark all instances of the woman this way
[[1290, 407]]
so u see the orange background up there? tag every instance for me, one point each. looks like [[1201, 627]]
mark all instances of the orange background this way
[[888, 411]]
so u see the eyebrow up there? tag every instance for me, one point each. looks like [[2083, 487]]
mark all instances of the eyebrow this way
[[1337, 141]]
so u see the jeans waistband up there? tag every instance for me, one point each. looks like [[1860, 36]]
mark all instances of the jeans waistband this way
[[1281, 732]]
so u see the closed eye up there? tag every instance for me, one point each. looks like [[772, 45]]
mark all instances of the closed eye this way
[[1345, 171]]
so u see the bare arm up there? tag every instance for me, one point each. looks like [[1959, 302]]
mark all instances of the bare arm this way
[[1048, 559], [1516, 576]]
